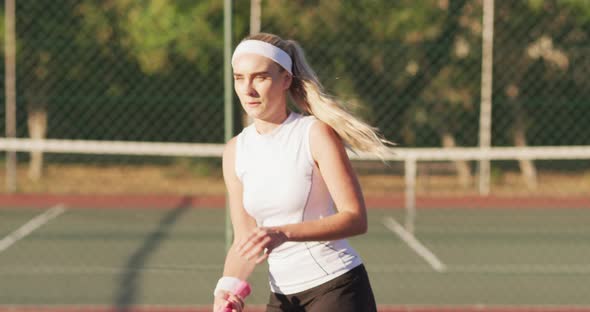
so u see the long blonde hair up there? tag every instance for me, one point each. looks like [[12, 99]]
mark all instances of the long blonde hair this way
[[308, 95]]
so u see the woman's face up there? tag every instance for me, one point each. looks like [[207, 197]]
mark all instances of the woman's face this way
[[261, 86]]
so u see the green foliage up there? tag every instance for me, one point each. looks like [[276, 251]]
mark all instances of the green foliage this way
[[580, 9], [152, 70], [536, 5], [154, 31], [2, 28]]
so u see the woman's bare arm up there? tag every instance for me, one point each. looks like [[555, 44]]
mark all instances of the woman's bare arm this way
[[236, 265]]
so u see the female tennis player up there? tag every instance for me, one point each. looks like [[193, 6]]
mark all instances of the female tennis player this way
[[293, 195]]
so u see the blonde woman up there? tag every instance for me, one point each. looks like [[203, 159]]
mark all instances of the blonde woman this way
[[293, 195]]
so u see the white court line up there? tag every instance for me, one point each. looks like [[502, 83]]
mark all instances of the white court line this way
[[30, 226], [512, 269], [420, 249]]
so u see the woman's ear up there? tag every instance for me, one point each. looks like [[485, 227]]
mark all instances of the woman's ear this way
[[287, 81]]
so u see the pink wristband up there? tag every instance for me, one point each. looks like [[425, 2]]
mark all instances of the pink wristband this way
[[243, 290]]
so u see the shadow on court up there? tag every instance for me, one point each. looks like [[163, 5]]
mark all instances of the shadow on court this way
[[130, 281]]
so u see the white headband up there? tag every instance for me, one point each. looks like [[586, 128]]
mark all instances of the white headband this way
[[263, 49]]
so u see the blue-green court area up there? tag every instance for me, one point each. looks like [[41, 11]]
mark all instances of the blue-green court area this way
[[504, 257]]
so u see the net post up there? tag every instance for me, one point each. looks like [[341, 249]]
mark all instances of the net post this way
[[410, 193]]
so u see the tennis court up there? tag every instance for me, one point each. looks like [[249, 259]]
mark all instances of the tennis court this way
[[62, 258], [116, 114]]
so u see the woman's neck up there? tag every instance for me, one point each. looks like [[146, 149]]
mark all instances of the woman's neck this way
[[267, 125]]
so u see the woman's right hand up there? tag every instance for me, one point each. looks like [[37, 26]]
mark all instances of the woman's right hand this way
[[226, 299]]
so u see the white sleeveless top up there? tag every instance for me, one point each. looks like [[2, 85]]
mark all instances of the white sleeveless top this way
[[282, 185]]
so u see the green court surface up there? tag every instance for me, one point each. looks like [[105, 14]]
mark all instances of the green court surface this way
[[125, 257]]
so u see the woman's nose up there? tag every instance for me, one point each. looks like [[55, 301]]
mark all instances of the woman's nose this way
[[249, 88]]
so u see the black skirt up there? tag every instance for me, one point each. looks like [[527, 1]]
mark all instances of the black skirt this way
[[350, 292]]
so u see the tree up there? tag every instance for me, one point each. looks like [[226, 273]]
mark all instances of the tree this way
[[391, 60], [535, 46]]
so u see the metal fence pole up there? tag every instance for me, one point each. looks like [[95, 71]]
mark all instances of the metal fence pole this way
[[228, 99], [255, 25], [485, 117], [255, 14], [10, 90]]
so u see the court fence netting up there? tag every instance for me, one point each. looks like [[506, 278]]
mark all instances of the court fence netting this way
[[119, 105]]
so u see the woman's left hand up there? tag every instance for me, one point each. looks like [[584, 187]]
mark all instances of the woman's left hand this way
[[227, 299], [261, 240]]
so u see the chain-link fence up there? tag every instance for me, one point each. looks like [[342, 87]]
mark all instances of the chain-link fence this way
[[120, 70], [415, 67], [540, 89], [152, 71]]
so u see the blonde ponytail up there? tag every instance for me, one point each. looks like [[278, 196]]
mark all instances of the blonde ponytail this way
[[309, 97]]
